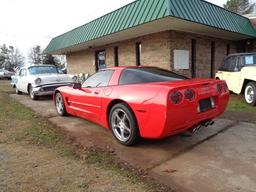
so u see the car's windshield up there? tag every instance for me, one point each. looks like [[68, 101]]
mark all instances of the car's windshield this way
[[42, 70], [148, 75]]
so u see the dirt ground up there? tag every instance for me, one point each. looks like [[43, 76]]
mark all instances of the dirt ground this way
[[29, 168], [26, 164]]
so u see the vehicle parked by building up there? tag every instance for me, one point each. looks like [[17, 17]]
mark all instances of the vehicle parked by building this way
[[5, 74], [41, 80], [239, 72], [146, 102]]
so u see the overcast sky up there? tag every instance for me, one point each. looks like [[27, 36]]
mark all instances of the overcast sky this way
[[26, 23]]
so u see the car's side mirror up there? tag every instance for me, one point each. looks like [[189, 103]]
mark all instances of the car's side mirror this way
[[77, 86]]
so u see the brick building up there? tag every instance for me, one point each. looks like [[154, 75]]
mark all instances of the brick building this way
[[190, 37]]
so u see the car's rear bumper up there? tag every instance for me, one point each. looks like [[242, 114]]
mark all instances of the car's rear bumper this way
[[168, 121], [48, 89], [183, 120]]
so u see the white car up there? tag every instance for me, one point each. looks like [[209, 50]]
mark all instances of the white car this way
[[5, 74], [41, 80]]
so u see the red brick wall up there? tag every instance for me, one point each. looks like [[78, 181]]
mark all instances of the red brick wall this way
[[157, 50]]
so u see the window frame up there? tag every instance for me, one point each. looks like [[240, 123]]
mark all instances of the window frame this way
[[116, 56], [138, 48]]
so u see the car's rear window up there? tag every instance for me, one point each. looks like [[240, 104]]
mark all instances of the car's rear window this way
[[147, 75]]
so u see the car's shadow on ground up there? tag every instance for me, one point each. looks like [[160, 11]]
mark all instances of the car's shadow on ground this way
[[46, 98], [156, 143]]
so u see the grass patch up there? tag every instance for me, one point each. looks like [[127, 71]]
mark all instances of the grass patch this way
[[20, 124], [238, 104], [107, 161]]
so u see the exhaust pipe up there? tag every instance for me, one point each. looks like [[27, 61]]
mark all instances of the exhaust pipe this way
[[200, 126], [195, 129], [208, 123], [212, 123]]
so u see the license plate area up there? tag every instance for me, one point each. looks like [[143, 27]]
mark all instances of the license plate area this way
[[206, 104]]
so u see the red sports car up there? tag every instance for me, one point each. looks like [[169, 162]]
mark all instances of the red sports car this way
[[145, 102]]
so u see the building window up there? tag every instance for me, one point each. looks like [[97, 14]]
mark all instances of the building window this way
[[116, 56], [193, 58], [228, 49], [181, 59], [138, 54], [100, 58], [213, 59]]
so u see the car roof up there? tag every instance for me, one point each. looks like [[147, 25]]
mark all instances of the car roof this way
[[128, 67]]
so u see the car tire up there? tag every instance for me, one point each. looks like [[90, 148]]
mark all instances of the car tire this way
[[60, 104], [31, 93], [250, 93], [18, 92], [124, 125]]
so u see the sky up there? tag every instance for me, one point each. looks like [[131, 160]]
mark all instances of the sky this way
[[26, 23]]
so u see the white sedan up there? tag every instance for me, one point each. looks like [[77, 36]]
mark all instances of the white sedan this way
[[41, 80]]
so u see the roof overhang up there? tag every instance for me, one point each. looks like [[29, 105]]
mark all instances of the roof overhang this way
[[164, 24]]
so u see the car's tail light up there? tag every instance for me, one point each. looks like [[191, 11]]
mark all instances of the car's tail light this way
[[225, 87], [190, 94], [219, 88], [176, 97], [222, 88]]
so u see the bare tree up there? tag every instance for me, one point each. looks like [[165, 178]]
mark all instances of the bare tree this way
[[10, 57], [35, 56]]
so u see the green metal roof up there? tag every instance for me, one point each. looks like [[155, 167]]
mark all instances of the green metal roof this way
[[143, 11]]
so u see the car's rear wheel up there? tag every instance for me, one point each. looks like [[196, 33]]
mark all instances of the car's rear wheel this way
[[123, 124], [250, 93], [60, 105], [31, 93]]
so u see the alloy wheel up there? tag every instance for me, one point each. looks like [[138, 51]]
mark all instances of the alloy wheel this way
[[121, 125], [59, 103]]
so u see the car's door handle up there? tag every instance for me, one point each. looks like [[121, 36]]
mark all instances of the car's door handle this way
[[96, 92]]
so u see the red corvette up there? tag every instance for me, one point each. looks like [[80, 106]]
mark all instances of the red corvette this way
[[144, 102]]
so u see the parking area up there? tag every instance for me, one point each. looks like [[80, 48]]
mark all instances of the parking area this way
[[219, 158]]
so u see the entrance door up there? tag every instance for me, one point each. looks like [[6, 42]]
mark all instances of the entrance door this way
[[100, 58]]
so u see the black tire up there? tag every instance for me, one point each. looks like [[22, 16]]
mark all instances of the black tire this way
[[60, 104], [18, 92], [124, 125], [250, 93], [31, 93]]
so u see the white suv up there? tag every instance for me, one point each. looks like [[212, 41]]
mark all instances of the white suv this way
[[239, 71]]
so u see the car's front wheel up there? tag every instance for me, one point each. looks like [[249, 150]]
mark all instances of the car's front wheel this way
[[250, 93], [123, 124], [31, 93], [60, 105]]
